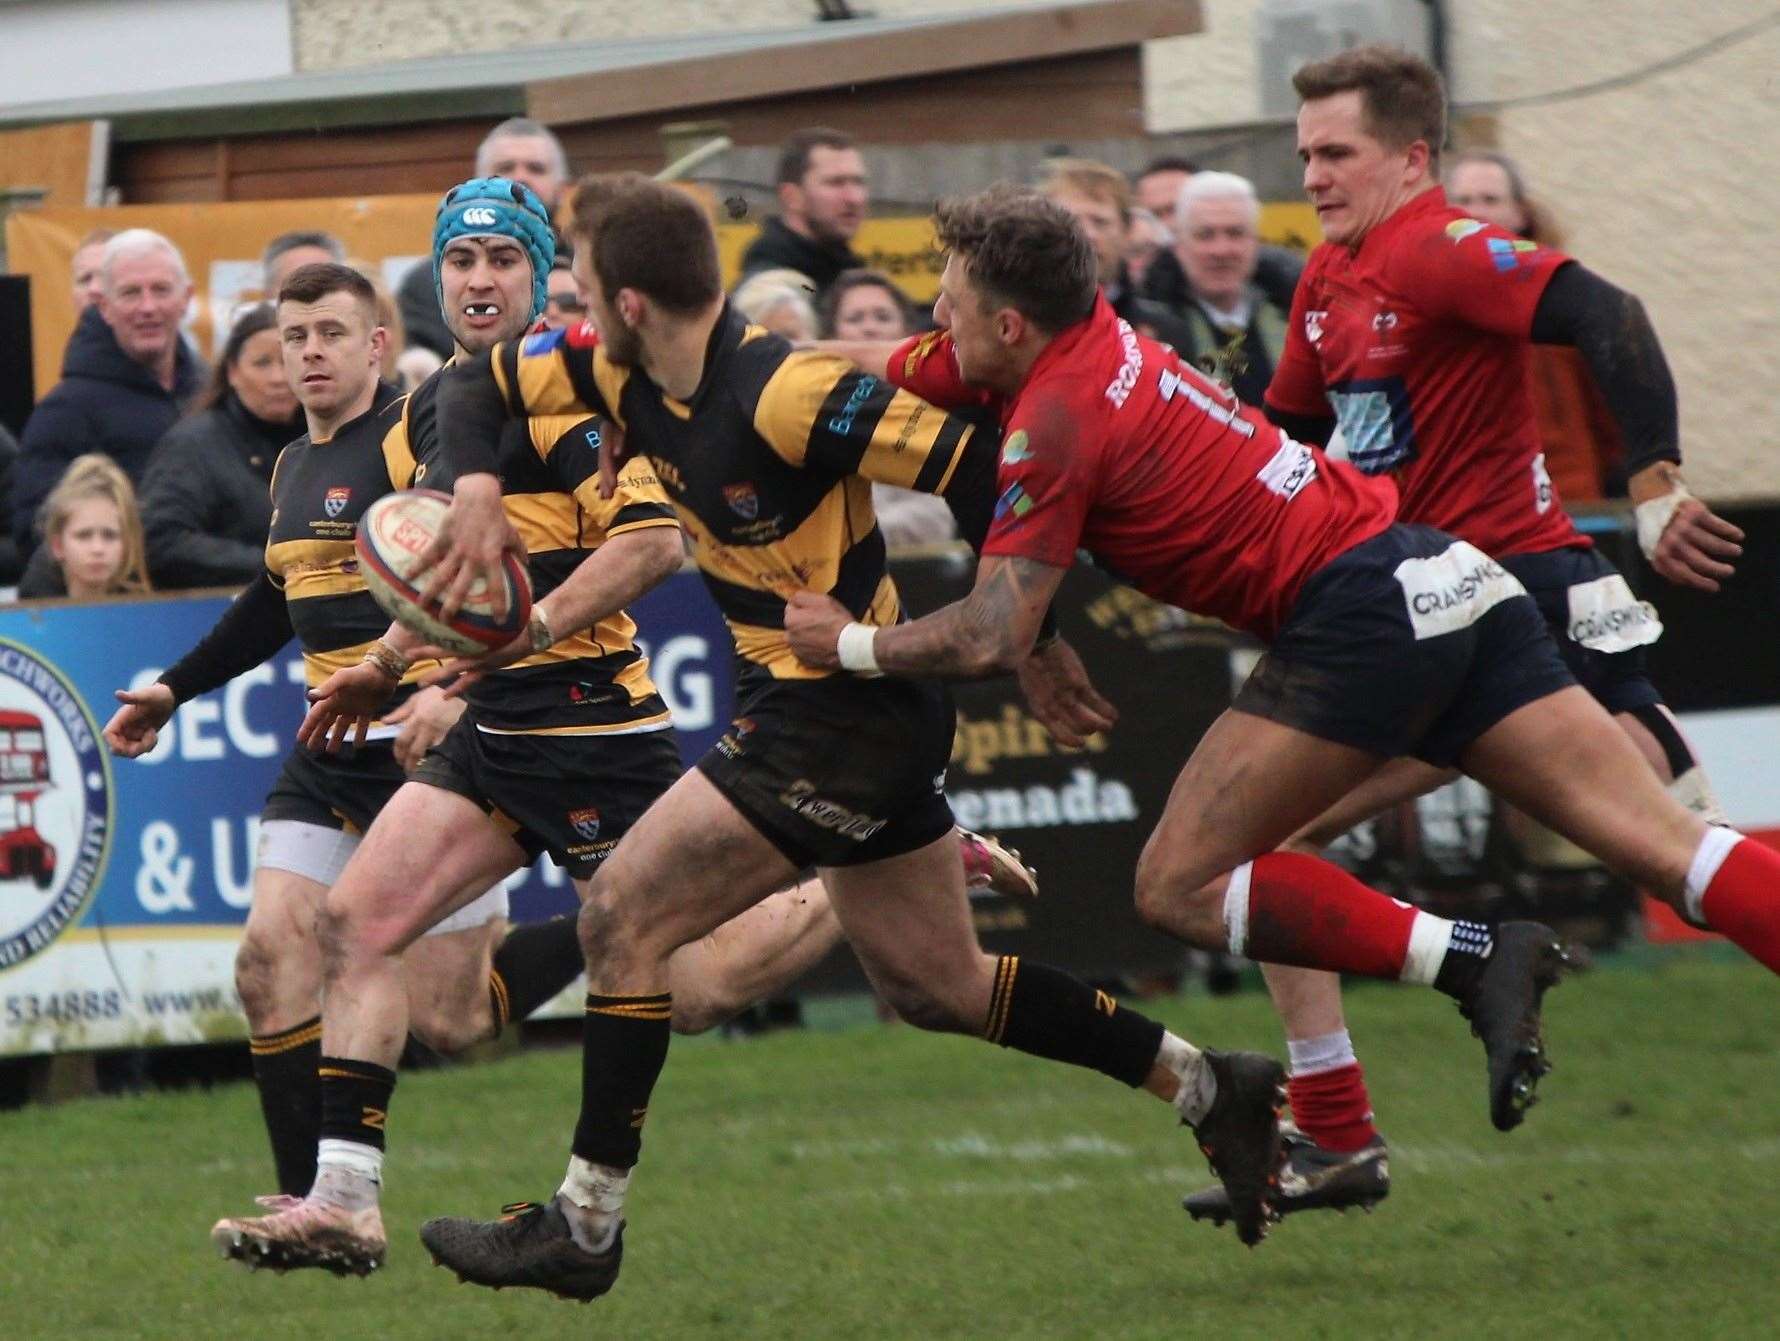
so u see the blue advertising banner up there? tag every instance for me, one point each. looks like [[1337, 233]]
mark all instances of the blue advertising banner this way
[[124, 883]]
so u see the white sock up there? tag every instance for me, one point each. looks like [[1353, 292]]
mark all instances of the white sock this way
[[1429, 937], [1713, 849], [1325, 1052], [597, 1192], [1198, 1086], [348, 1174]]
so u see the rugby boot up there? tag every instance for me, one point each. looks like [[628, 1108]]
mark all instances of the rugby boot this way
[[990, 866], [1313, 1179], [304, 1233], [1240, 1137], [1503, 1007], [529, 1245]]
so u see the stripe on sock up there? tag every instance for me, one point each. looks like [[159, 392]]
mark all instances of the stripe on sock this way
[[1713, 849], [1429, 938], [1236, 908]]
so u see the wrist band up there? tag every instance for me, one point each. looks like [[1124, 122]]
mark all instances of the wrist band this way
[[854, 648], [391, 662], [539, 628], [1653, 516]]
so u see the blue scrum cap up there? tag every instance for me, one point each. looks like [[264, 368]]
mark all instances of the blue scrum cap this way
[[496, 207]]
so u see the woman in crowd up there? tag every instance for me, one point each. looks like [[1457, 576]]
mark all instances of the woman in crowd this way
[[93, 533], [205, 500], [780, 301], [867, 305]]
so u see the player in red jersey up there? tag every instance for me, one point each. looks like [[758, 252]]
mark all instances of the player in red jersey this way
[[1411, 330], [1387, 640]]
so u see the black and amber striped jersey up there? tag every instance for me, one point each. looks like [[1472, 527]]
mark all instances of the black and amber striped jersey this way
[[769, 464], [595, 682], [319, 492]]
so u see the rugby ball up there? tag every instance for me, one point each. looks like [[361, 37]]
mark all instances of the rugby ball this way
[[392, 535]]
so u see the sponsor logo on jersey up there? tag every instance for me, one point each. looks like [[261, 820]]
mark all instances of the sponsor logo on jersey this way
[[55, 805], [1460, 229], [842, 424], [1293, 466], [585, 822], [1385, 320], [743, 499], [1017, 448], [1313, 324], [1506, 252], [1014, 499], [335, 502]]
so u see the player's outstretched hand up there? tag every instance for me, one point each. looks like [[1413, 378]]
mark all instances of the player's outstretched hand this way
[[343, 705], [424, 719], [135, 728], [469, 545], [813, 625], [1698, 548], [614, 452], [1061, 696]]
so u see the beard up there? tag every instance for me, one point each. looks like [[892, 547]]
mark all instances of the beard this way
[[622, 344]]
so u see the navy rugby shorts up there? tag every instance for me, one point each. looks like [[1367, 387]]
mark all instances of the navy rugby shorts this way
[[1411, 643]]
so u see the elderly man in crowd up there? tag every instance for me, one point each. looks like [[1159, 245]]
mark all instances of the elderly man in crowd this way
[[520, 150], [1157, 189], [823, 198], [126, 375], [1235, 331]]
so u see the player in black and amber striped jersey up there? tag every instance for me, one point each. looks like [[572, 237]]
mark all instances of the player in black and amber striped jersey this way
[[322, 804], [769, 459], [766, 452], [557, 754]]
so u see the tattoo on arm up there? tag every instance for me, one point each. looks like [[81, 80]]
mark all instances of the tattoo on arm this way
[[987, 633]]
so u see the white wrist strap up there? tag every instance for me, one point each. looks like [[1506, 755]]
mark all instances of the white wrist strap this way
[[1653, 517], [855, 650]]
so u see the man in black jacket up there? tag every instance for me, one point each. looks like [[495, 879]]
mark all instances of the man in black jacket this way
[[126, 375], [822, 201]]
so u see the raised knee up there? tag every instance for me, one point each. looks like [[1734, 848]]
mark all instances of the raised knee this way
[[450, 1033], [1180, 901]]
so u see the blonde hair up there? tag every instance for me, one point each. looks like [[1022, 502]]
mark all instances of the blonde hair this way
[[96, 475]]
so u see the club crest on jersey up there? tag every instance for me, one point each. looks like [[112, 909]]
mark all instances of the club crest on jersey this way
[[743, 499], [1018, 448], [585, 822], [1313, 324], [335, 503]]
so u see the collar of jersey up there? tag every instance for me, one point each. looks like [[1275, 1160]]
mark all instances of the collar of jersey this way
[[1431, 201]]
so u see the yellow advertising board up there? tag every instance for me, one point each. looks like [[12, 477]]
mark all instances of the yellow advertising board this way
[[223, 242]]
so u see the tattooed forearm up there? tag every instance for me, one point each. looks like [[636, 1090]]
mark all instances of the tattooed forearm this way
[[989, 632]]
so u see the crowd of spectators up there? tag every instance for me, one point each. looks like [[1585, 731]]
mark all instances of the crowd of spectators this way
[[137, 416]]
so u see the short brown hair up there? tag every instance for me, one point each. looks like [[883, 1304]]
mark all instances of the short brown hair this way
[[1085, 177], [315, 281], [794, 154], [1025, 251], [646, 235], [1401, 95]]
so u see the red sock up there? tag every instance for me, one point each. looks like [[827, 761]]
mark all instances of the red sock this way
[[1333, 1108], [1742, 897], [1286, 908]]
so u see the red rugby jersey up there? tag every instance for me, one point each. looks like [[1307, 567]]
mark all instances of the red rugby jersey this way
[[1419, 341], [1115, 446]]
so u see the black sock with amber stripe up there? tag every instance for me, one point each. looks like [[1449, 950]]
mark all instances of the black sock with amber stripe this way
[[354, 1100], [290, 1100], [1048, 1013], [534, 963], [624, 1045]]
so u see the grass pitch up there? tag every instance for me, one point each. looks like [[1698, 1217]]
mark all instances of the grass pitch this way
[[863, 1182]]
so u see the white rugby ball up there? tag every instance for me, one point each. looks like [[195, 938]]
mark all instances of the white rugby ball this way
[[392, 535]]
